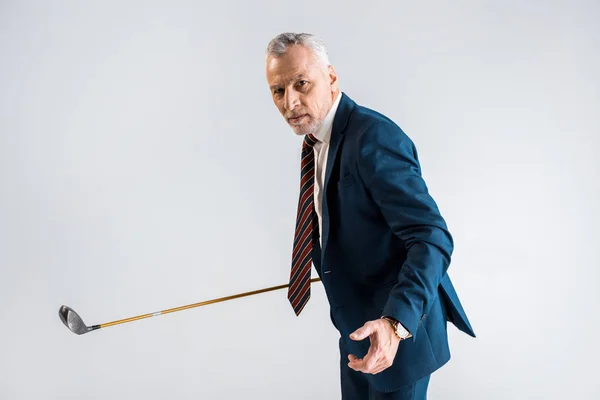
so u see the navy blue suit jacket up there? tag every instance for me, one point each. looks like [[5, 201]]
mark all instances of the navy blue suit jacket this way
[[385, 247]]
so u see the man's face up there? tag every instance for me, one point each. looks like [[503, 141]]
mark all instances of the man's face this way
[[302, 89]]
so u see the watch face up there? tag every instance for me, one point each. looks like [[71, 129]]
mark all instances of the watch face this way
[[403, 333]]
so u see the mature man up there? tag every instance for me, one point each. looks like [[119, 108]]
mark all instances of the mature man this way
[[367, 222]]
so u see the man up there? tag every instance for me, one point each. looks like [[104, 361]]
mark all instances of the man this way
[[367, 222]]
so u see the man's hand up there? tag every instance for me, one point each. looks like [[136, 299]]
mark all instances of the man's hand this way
[[384, 345]]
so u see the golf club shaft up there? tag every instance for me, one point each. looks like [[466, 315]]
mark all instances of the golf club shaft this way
[[170, 310]]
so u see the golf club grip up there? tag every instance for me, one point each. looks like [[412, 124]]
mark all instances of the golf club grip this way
[[202, 303]]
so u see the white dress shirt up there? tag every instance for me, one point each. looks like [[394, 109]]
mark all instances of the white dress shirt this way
[[321, 148]]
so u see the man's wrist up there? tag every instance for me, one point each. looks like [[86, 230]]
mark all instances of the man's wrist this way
[[397, 327]]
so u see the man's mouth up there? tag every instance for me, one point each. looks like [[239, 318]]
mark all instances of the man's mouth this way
[[296, 119]]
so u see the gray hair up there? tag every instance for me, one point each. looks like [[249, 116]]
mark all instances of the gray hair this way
[[279, 45]]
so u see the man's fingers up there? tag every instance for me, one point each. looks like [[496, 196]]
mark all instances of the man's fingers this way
[[362, 332], [359, 364], [368, 362], [375, 361], [378, 357], [374, 365], [354, 362]]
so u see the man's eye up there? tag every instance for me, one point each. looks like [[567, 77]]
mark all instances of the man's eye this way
[[277, 91]]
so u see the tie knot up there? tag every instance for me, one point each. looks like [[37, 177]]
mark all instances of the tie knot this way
[[310, 140]]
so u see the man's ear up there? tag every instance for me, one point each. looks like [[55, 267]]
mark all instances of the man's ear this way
[[333, 80]]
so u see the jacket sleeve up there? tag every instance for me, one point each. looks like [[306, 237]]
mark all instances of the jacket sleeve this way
[[388, 164]]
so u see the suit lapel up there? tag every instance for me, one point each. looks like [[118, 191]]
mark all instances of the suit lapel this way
[[337, 133]]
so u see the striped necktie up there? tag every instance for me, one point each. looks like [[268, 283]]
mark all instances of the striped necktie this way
[[299, 287]]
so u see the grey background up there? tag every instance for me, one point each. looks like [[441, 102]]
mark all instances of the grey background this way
[[143, 166]]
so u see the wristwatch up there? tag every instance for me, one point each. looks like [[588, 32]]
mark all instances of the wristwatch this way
[[399, 330]]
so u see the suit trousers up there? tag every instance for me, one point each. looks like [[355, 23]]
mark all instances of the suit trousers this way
[[356, 387]]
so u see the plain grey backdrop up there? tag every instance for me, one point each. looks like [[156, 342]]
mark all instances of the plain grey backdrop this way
[[143, 166]]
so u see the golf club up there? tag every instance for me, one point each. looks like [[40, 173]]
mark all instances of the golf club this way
[[73, 321]]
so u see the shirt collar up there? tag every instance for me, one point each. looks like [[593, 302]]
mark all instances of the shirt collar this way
[[324, 132]]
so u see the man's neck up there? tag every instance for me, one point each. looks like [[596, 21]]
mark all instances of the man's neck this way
[[323, 133]]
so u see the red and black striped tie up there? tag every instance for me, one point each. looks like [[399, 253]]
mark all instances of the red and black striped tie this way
[[299, 287]]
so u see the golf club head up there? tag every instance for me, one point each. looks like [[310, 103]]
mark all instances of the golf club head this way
[[73, 321]]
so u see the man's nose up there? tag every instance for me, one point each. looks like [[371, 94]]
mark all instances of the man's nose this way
[[291, 100]]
